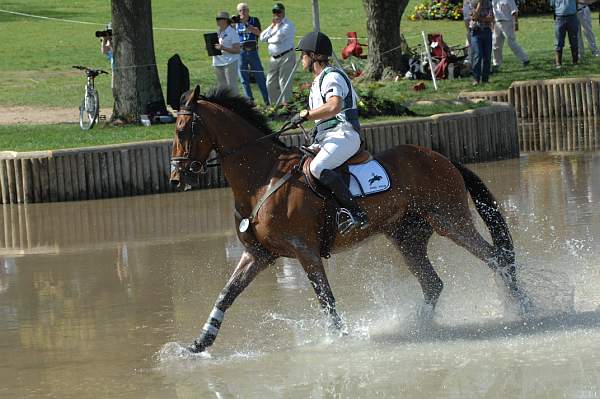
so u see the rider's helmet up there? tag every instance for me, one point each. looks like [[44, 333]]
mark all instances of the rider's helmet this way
[[317, 43]]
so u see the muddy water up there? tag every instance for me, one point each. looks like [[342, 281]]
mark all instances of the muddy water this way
[[95, 295]]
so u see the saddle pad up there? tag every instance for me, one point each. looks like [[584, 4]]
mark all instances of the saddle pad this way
[[368, 178]]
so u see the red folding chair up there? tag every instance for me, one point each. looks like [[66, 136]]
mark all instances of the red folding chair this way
[[353, 47]]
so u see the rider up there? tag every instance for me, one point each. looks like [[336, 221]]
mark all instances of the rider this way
[[333, 108]]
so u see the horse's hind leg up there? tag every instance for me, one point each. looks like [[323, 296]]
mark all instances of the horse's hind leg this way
[[411, 238], [250, 264], [459, 228]]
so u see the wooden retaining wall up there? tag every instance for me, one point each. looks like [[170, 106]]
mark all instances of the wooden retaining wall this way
[[499, 96], [556, 98], [479, 135], [574, 97]]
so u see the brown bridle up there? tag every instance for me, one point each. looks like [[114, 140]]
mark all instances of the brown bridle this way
[[194, 167]]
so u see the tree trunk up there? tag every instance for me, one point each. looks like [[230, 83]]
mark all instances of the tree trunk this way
[[136, 82], [385, 42]]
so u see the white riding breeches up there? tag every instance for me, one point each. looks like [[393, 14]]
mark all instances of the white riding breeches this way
[[337, 146]]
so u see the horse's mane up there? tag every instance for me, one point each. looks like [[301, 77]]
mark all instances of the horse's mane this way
[[239, 105]]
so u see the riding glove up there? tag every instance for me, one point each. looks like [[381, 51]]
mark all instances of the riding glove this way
[[299, 118]]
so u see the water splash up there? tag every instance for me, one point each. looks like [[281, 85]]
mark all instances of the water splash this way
[[174, 352]]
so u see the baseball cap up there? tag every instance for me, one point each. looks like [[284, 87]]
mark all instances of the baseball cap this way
[[278, 7]]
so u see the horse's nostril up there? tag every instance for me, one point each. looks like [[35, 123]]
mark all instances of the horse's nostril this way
[[174, 182]]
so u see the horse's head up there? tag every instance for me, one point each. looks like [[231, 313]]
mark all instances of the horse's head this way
[[191, 143]]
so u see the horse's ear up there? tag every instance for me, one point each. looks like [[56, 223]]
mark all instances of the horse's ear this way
[[196, 92]]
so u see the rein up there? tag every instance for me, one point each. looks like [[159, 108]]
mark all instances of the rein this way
[[195, 167]]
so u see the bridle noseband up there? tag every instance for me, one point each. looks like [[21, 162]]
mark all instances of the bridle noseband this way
[[194, 167]]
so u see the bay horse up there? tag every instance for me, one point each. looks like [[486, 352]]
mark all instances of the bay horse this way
[[428, 194]]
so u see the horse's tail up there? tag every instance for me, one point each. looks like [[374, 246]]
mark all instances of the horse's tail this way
[[488, 209]]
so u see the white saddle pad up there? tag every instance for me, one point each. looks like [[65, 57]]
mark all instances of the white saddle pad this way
[[368, 178]]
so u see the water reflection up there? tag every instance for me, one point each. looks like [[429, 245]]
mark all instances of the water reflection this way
[[559, 134], [90, 292], [81, 226]]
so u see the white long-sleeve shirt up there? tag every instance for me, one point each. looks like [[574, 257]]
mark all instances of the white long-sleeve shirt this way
[[504, 9], [279, 38]]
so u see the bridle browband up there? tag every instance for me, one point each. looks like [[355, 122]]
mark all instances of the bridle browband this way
[[194, 167]]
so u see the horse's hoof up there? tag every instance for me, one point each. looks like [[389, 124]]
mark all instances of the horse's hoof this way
[[425, 312], [196, 347]]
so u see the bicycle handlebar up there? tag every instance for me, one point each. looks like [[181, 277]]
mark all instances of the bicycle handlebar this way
[[83, 68]]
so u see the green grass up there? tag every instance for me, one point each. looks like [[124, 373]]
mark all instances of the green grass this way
[[43, 137], [35, 68], [37, 54], [68, 135]]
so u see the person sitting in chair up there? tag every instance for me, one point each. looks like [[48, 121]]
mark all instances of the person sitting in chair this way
[[333, 107]]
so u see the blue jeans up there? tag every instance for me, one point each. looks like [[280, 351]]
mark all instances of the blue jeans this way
[[566, 24], [481, 54], [250, 62]]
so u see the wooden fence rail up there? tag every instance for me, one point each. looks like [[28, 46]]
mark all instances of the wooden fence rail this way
[[483, 134]]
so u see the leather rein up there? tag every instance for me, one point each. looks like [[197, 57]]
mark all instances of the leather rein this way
[[194, 167]]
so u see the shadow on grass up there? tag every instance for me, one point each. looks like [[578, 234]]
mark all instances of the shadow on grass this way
[[23, 7]]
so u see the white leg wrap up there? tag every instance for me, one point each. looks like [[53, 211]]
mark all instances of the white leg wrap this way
[[210, 329], [217, 314]]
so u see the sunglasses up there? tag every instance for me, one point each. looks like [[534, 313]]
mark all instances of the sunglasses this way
[[277, 11]]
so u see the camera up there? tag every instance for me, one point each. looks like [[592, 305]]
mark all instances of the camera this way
[[475, 26], [104, 33]]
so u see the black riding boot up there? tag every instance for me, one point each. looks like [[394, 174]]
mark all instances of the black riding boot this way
[[357, 217]]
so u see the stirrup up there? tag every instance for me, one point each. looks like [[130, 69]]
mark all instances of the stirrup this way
[[346, 221]]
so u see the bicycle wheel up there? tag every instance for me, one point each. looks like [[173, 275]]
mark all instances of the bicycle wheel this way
[[89, 110]]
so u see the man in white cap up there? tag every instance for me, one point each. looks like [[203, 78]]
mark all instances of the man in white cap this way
[[280, 38]]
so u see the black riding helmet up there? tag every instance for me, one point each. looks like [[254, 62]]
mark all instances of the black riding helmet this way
[[317, 43]]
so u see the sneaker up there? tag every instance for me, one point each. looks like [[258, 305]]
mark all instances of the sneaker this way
[[558, 66], [475, 83], [526, 63], [596, 54]]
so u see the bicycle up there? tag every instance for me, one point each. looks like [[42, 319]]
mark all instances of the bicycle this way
[[89, 109]]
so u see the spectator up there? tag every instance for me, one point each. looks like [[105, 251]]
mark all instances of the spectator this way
[[280, 36], [480, 30], [585, 20], [466, 10], [248, 29], [107, 49], [505, 19], [226, 64], [566, 21]]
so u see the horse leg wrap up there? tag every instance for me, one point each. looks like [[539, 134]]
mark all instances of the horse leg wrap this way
[[210, 330]]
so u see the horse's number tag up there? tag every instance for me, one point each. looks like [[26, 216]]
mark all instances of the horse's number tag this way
[[244, 224]]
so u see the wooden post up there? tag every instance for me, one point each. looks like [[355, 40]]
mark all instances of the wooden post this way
[[315, 16]]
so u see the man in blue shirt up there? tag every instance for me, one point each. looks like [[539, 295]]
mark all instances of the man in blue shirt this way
[[566, 22], [248, 28]]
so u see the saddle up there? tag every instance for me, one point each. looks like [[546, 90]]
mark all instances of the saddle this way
[[361, 156], [327, 230]]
